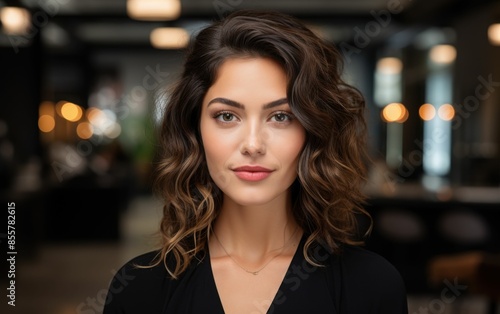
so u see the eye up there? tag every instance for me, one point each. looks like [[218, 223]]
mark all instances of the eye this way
[[282, 117], [224, 116]]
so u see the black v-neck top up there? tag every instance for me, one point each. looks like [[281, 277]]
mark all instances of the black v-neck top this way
[[355, 281]]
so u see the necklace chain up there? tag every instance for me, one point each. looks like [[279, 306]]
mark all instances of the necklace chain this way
[[255, 272]]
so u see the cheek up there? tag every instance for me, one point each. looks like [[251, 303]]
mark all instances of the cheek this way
[[216, 158], [207, 138], [210, 151], [290, 152], [293, 156], [216, 154], [217, 149]]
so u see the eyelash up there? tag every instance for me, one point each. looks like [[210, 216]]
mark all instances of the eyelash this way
[[219, 114], [286, 114]]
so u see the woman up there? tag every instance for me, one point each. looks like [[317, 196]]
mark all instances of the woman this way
[[260, 172]]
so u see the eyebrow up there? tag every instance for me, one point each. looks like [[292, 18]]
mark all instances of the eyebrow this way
[[236, 104]]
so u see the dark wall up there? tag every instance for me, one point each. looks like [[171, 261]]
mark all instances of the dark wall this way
[[20, 90]]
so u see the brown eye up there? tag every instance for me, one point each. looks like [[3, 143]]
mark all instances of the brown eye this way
[[281, 117], [227, 117]]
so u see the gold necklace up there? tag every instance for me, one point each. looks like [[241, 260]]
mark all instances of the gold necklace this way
[[255, 272]]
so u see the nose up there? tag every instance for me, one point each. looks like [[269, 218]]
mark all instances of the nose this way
[[254, 140]]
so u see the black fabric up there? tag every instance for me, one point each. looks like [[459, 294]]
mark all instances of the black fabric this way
[[356, 281]]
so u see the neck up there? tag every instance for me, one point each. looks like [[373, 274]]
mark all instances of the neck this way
[[253, 232]]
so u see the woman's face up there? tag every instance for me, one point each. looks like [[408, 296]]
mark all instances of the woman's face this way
[[252, 140]]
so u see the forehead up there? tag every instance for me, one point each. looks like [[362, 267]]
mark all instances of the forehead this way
[[249, 73]]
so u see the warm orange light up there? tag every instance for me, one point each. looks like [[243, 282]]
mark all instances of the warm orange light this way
[[405, 116], [46, 123], [154, 10], [443, 54], [94, 115], [395, 112], [59, 106], [169, 38], [84, 130], [71, 112], [389, 65], [46, 107], [427, 112], [15, 21], [446, 112], [494, 34]]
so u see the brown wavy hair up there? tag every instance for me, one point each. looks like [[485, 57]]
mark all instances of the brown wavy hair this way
[[327, 194]]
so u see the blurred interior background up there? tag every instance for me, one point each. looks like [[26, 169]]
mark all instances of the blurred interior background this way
[[83, 82]]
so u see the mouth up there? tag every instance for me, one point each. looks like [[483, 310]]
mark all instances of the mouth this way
[[252, 173]]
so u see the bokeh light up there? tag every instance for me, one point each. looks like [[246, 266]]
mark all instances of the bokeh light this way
[[494, 34], [389, 65], [443, 54], [427, 112], [446, 112], [395, 112], [71, 112], [84, 130], [46, 123]]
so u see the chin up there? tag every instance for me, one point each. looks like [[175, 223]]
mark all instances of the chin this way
[[251, 202], [253, 198]]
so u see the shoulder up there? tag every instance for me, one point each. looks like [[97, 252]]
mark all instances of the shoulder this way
[[369, 278], [359, 261], [137, 286]]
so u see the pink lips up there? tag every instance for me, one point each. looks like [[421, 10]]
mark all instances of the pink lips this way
[[252, 173]]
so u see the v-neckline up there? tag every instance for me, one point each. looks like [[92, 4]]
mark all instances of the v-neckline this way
[[293, 261]]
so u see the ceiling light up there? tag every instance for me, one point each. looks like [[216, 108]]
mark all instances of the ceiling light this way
[[494, 34], [154, 10], [443, 54], [15, 20], [390, 65], [169, 38]]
